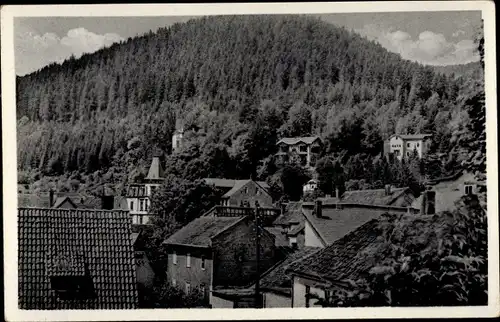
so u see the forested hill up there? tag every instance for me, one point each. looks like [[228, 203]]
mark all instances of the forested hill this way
[[463, 70], [241, 81]]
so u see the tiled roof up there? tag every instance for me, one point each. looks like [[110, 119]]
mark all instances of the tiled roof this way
[[136, 190], [373, 196], [281, 238], [336, 223], [293, 141], [291, 215], [347, 258], [155, 170], [276, 278], [71, 241], [200, 231]]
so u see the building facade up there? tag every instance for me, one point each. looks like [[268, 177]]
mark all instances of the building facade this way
[[403, 146], [237, 193], [139, 194], [443, 193], [216, 252], [306, 149]]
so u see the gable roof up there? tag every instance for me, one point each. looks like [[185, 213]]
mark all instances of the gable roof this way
[[98, 241], [233, 185], [374, 196], [155, 170], [200, 231], [336, 223], [239, 184], [295, 140], [60, 201], [344, 259], [411, 136]]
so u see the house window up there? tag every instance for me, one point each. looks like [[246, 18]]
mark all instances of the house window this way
[[141, 205], [174, 258], [308, 294], [188, 260], [188, 288], [246, 189], [203, 262], [407, 145], [418, 144], [257, 191], [131, 205], [468, 190], [134, 219], [407, 154], [303, 148], [147, 205], [174, 282]]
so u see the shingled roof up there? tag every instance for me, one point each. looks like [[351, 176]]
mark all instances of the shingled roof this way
[[276, 279], [304, 139], [346, 258], [336, 223], [75, 242], [200, 231], [376, 196]]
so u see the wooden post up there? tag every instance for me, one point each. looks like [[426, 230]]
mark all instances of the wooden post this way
[[257, 245]]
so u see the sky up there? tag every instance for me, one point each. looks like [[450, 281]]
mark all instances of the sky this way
[[433, 38]]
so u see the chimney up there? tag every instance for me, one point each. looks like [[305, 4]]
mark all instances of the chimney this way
[[387, 189], [318, 208], [107, 202], [51, 198]]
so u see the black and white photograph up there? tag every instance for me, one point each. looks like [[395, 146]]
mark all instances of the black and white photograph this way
[[180, 159]]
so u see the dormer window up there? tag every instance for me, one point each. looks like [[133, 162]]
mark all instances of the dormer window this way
[[468, 189], [69, 278]]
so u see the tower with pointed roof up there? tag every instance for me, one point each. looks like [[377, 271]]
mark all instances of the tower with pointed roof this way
[[139, 195]]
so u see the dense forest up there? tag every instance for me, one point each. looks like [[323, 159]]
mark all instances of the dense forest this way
[[236, 84]]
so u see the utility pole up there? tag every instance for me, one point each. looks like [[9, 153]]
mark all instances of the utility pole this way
[[257, 245]]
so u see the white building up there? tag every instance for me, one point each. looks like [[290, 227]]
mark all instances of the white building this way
[[310, 186], [139, 195], [404, 145], [306, 148], [177, 139]]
